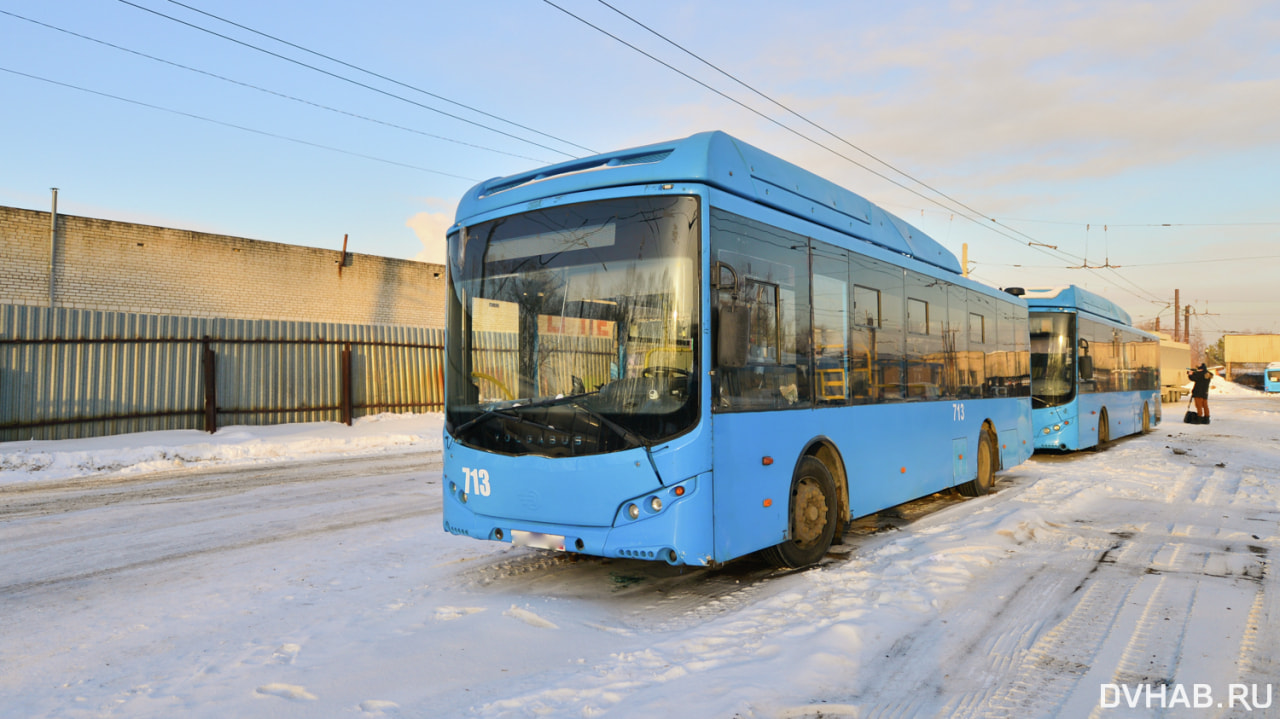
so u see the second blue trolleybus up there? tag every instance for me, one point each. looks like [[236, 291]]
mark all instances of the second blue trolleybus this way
[[1094, 376], [694, 350], [1271, 377]]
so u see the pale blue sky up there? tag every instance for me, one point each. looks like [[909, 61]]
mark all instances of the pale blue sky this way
[[1088, 126]]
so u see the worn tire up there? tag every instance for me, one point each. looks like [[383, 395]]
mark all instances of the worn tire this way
[[986, 477], [1104, 431], [811, 517]]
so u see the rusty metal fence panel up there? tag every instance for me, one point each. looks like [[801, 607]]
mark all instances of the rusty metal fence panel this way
[[81, 373]]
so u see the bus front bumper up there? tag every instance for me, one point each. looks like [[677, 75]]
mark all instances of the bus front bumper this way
[[1060, 435], [672, 524]]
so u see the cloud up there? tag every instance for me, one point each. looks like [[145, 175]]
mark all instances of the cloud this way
[[430, 227], [1014, 92]]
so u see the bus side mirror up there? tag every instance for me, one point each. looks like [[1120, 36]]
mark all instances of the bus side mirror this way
[[731, 335], [1086, 367]]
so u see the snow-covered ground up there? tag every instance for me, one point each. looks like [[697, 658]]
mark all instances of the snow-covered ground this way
[[302, 571]]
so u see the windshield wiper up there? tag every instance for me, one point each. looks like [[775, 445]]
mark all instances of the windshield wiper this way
[[495, 412], [572, 399], [506, 413], [623, 432]]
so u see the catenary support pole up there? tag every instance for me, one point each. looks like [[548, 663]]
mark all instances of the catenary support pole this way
[[53, 244], [1177, 316]]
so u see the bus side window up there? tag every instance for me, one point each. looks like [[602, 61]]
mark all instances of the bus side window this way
[[731, 319], [1086, 361], [770, 309], [831, 374], [879, 330], [864, 366]]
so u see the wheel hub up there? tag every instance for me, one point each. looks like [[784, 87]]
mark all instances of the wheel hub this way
[[811, 514]]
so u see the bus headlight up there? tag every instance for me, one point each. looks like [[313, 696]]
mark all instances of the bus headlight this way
[[633, 511], [655, 504]]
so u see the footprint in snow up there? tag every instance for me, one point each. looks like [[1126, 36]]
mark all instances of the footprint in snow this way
[[444, 614], [286, 654], [377, 706], [287, 691], [529, 618]]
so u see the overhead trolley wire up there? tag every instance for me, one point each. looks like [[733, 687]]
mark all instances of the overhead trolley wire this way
[[235, 126], [345, 79], [972, 214], [267, 90], [392, 80], [1128, 265], [1032, 243], [1152, 224], [803, 118], [734, 100], [792, 130]]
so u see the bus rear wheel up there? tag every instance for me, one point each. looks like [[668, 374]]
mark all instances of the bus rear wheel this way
[[986, 478], [811, 517]]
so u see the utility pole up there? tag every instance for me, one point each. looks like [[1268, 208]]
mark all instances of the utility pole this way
[[1186, 324], [1177, 310], [53, 243]]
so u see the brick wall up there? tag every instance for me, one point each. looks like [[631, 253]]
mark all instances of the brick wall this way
[[120, 266]]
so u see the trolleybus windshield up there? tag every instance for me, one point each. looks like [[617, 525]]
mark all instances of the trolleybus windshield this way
[[573, 329], [1053, 346]]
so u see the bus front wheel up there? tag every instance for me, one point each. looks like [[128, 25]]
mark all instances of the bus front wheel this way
[[986, 478], [1146, 419], [811, 517]]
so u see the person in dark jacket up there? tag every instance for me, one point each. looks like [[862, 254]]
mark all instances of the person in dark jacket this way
[[1201, 377]]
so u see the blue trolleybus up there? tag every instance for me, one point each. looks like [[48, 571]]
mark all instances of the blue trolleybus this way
[[1271, 377], [1094, 377], [693, 351]]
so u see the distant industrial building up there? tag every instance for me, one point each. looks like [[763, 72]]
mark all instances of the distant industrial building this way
[[1249, 355]]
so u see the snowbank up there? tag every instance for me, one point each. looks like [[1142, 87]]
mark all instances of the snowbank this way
[[154, 451], [1221, 387]]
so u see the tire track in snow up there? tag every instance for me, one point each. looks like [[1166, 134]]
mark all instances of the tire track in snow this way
[[9, 591], [1145, 604], [1257, 665], [1051, 668], [280, 503], [40, 499]]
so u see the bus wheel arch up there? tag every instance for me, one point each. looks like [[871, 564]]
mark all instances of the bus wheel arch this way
[[827, 453], [812, 511]]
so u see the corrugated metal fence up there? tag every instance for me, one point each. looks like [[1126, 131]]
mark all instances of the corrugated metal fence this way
[[79, 373]]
